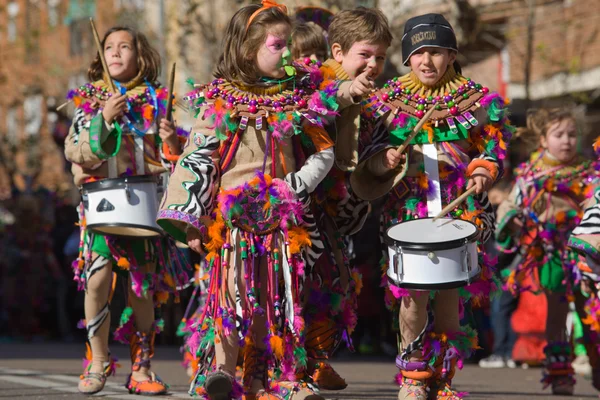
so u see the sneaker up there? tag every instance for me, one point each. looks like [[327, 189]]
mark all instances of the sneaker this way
[[493, 361], [510, 363]]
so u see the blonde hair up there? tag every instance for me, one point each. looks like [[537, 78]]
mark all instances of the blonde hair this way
[[241, 43], [148, 59], [539, 120], [308, 36], [361, 24]]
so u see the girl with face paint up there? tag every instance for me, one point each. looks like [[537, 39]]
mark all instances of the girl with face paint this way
[[240, 195]]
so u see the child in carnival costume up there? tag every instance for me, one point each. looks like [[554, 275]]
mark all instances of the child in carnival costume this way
[[358, 54], [114, 135], [240, 194], [544, 207], [464, 143], [309, 41]]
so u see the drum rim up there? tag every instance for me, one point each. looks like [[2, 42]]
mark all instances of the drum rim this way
[[113, 183], [452, 244], [437, 286], [93, 227]]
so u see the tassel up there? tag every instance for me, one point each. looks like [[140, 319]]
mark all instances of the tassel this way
[[123, 263], [276, 346]]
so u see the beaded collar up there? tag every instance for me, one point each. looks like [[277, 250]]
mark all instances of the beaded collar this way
[[454, 97]]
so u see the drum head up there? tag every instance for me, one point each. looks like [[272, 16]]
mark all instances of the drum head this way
[[112, 183], [425, 234], [125, 230]]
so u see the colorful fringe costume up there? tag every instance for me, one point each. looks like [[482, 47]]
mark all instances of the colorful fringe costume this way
[[585, 240], [241, 183], [153, 267], [332, 282], [468, 129], [547, 199]]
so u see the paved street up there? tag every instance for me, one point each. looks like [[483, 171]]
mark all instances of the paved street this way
[[51, 371]]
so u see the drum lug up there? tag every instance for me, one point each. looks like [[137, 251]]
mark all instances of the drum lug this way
[[128, 192], [398, 262], [467, 264]]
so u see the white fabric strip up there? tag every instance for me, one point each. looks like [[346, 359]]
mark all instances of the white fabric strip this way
[[434, 198], [139, 155]]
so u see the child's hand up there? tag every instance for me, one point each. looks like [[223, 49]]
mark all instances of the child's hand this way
[[481, 179], [168, 134], [114, 107], [194, 241], [362, 84], [515, 225], [393, 158], [586, 286]]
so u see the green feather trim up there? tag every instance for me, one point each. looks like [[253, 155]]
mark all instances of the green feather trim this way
[[180, 331], [411, 203], [126, 315], [301, 357], [159, 324], [336, 301], [495, 112]]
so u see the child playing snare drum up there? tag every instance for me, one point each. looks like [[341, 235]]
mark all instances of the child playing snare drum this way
[[461, 145], [114, 135]]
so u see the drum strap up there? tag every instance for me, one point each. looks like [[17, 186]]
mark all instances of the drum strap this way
[[139, 155], [112, 167], [434, 197]]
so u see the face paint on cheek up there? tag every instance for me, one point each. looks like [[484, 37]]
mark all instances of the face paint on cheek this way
[[286, 58], [274, 44]]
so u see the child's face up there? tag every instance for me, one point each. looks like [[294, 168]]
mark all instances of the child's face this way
[[313, 54], [429, 64], [121, 56], [561, 140], [361, 56], [274, 53]]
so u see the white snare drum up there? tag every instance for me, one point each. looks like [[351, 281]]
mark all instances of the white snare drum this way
[[122, 206], [430, 255]]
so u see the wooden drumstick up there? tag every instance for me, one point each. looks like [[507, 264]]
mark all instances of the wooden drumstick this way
[[455, 203], [415, 131], [102, 59], [168, 114]]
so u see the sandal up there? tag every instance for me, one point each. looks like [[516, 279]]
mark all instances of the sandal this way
[[91, 382], [325, 377], [141, 348]]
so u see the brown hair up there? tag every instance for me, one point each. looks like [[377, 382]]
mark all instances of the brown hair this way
[[240, 44], [308, 36], [351, 26], [148, 59], [539, 120]]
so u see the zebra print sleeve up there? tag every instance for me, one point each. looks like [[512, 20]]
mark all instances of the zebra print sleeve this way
[[192, 187], [585, 238], [590, 223]]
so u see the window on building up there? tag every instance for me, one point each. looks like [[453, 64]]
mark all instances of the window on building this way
[[32, 34], [33, 110], [53, 13], [12, 11], [12, 125], [78, 17]]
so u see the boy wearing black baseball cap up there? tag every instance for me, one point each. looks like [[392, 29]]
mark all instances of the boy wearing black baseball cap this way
[[461, 145]]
